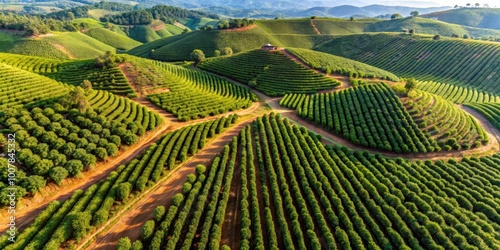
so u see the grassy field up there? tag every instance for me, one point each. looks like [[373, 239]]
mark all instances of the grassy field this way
[[37, 47], [79, 45], [194, 23], [287, 26], [92, 23], [113, 39], [7, 41], [142, 34], [174, 30], [340, 26], [97, 13]]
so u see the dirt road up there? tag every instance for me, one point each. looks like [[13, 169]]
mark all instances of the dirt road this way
[[131, 220]]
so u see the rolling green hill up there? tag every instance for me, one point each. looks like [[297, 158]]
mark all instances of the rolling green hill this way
[[457, 61], [328, 62], [78, 45], [72, 72], [113, 39], [287, 26], [474, 17], [142, 33], [178, 48], [270, 72], [19, 87], [429, 26]]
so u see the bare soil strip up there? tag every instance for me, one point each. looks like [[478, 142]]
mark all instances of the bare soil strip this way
[[131, 220], [313, 24]]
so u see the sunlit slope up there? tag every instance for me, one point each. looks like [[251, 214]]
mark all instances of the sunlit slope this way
[[429, 26], [475, 17], [270, 72], [178, 48], [456, 61]]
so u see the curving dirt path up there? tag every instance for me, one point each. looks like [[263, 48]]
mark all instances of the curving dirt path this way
[[332, 139], [132, 219]]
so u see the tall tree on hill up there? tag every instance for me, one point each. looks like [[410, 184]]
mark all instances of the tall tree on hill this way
[[197, 56], [396, 16], [410, 84], [75, 99], [414, 13]]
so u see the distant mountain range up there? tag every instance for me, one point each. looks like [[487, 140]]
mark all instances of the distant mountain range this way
[[368, 11], [289, 8], [338, 11]]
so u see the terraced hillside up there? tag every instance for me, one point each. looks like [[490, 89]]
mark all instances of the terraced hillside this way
[[95, 205], [296, 192], [444, 122], [123, 110], [270, 72], [55, 142], [195, 94], [29, 88], [456, 61], [369, 115], [429, 26], [113, 39], [330, 63], [489, 110], [474, 17], [73, 72], [457, 94], [179, 48]]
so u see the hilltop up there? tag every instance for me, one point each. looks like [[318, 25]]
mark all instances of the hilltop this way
[[474, 17]]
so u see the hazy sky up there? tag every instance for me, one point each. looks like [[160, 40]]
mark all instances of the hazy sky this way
[[432, 3]]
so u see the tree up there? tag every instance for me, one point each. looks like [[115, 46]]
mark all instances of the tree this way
[[109, 26], [159, 213], [124, 244], [216, 53], [185, 31], [456, 7], [74, 167], [123, 191], [351, 18], [228, 51], [410, 84], [33, 183], [58, 174], [147, 230], [86, 85], [197, 56], [107, 60], [436, 37], [468, 5], [477, 5], [414, 13], [412, 31], [466, 36], [42, 167], [455, 35], [80, 223], [75, 98], [313, 17], [137, 245], [396, 16]]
